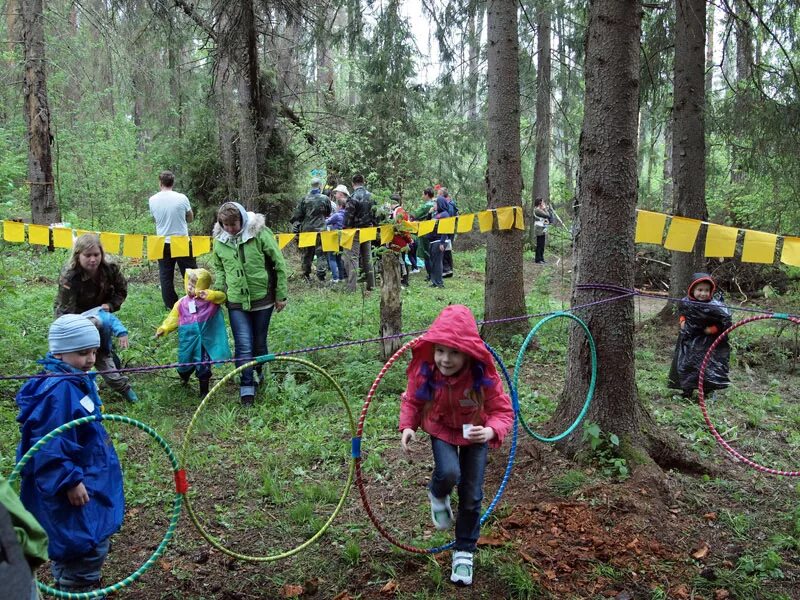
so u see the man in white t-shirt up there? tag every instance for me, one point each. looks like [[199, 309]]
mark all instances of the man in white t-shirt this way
[[172, 213]]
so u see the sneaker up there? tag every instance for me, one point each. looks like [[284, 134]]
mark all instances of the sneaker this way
[[447, 274], [131, 396], [441, 513], [247, 400], [462, 568], [415, 270]]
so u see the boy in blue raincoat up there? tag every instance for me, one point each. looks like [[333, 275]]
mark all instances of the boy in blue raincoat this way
[[202, 335], [73, 484]]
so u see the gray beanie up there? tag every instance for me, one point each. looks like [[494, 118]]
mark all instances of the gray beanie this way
[[71, 333]]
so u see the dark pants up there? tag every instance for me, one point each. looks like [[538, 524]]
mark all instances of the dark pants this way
[[250, 329], [359, 252], [463, 466], [437, 254], [166, 274], [308, 259], [447, 258], [202, 371], [412, 255], [81, 573], [540, 248]]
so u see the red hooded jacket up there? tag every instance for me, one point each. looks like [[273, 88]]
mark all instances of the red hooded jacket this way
[[451, 407]]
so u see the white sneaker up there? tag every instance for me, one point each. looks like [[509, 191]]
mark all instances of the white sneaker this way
[[441, 513], [415, 270], [462, 568]]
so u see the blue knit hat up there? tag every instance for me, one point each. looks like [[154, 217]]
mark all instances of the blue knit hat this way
[[71, 333]]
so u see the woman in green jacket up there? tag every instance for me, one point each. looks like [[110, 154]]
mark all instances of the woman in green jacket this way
[[250, 269]]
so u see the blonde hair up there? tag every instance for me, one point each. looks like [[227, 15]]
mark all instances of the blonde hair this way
[[82, 244]]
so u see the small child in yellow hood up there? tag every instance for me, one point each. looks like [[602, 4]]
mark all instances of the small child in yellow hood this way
[[202, 335]]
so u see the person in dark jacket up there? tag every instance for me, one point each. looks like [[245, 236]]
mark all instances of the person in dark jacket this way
[[90, 280], [73, 484], [437, 243], [542, 220], [703, 316], [310, 215], [359, 212], [336, 223]]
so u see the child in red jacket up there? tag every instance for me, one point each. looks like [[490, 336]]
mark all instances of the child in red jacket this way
[[456, 395]]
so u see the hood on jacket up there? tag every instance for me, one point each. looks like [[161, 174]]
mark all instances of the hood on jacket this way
[[700, 278], [454, 327], [252, 224], [204, 279], [36, 388]]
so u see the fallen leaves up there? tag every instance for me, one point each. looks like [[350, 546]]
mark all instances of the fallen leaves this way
[[701, 551], [390, 589]]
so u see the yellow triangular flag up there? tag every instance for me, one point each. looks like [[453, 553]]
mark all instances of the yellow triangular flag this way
[[465, 223], [650, 227], [505, 217], [330, 241], [133, 245], [13, 231], [80, 232], [367, 234], [721, 241], [201, 244], [284, 239], [155, 247], [485, 220], [307, 239], [387, 233], [62, 237], [414, 225], [446, 225], [110, 242], [682, 234], [519, 218], [39, 235], [425, 227], [759, 247], [346, 240], [790, 255], [178, 245]]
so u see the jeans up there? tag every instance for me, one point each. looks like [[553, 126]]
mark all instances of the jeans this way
[[250, 330], [412, 254], [464, 466], [166, 274], [437, 254], [540, 239], [363, 252], [82, 572], [203, 371], [335, 265]]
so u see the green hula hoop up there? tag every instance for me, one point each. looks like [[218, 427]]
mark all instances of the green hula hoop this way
[[176, 504], [350, 476], [592, 382]]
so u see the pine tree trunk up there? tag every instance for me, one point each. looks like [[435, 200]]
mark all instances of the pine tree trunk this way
[[668, 187], [688, 140], [541, 167], [391, 304], [604, 248], [504, 294], [474, 35], [44, 209]]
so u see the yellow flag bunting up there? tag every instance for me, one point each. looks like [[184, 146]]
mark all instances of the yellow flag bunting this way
[[136, 245], [757, 246]]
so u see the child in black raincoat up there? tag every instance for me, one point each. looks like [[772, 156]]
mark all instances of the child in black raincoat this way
[[703, 316]]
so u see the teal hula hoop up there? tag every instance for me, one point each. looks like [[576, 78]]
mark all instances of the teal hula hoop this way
[[592, 382], [176, 504]]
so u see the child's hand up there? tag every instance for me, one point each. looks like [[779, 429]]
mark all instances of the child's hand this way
[[280, 305], [78, 496], [480, 435], [203, 294], [106, 307], [708, 330], [407, 437], [123, 341], [159, 333]]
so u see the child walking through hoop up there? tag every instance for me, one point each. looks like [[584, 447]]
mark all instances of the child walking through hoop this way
[[455, 394]]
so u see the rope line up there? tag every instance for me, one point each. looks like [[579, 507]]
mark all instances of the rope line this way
[[176, 505]]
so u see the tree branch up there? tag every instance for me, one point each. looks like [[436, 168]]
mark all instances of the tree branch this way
[[190, 12]]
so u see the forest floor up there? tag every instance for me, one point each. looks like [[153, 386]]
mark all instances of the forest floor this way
[[265, 480]]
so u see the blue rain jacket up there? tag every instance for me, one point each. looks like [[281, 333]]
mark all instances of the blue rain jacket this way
[[83, 454]]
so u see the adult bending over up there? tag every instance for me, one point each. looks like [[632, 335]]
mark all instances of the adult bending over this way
[[250, 269], [89, 280]]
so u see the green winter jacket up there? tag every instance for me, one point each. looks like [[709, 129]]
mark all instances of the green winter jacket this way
[[249, 266]]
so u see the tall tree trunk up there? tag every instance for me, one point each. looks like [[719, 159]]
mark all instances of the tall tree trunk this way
[[504, 294], [474, 35], [744, 71], [226, 121], [391, 304], [44, 209], [668, 187], [689, 136], [248, 159], [12, 25], [709, 83], [604, 248], [325, 67], [541, 167]]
